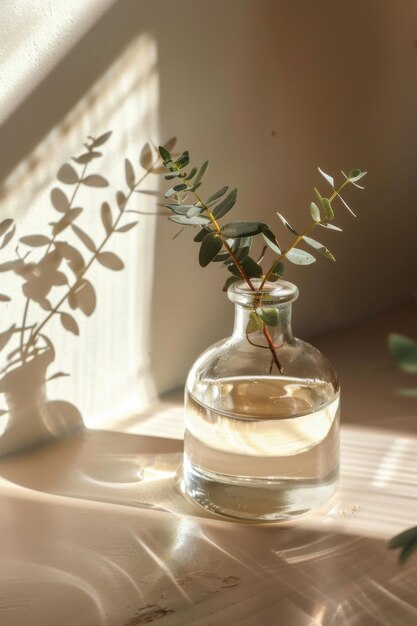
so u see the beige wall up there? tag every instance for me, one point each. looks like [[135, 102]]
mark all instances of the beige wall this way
[[267, 90]]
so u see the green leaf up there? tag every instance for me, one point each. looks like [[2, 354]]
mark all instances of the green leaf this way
[[225, 205], [406, 542], [175, 189], [129, 174], [180, 209], [200, 235], [194, 210], [287, 224], [252, 269], [165, 155], [279, 270], [183, 160], [230, 281], [319, 196], [195, 187], [315, 212], [210, 246], [404, 352], [328, 209], [299, 257], [319, 246], [216, 195], [407, 392], [243, 249], [254, 323], [331, 227], [356, 175], [269, 315], [327, 177], [243, 229], [189, 221], [270, 240], [171, 176], [191, 174], [201, 173]]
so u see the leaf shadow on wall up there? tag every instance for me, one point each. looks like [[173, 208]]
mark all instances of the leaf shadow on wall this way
[[53, 271]]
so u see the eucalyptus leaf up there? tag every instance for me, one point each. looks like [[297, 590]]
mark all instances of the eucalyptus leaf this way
[[328, 209], [406, 542], [200, 235], [287, 224], [230, 281], [175, 189], [251, 267], [404, 352], [346, 205], [270, 240], [299, 257], [217, 195], [201, 173], [180, 209], [226, 204], [254, 323], [191, 174], [189, 221], [279, 269], [315, 212], [331, 227], [194, 210], [243, 229], [269, 315], [329, 178], [165, 155], [210, 247], [319, 246]]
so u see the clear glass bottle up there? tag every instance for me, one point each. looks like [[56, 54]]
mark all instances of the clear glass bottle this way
[[261, 444]]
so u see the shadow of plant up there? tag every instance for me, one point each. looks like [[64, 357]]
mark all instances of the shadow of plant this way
[[53, 270]]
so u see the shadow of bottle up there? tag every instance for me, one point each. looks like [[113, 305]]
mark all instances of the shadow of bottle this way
[[31, 418]]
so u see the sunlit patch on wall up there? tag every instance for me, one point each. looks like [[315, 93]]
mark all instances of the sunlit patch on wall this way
[[108, 362]]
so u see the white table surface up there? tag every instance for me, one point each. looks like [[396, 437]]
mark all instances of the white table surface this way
[[96, 531]]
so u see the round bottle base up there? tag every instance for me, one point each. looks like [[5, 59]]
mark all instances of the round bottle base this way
[[256, 499]]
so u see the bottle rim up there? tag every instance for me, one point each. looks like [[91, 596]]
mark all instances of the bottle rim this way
[[280, 292]]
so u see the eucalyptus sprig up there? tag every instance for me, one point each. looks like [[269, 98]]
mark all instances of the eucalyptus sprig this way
[[231, 243]]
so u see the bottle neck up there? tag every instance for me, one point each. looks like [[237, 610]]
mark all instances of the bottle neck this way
[[281, 333]]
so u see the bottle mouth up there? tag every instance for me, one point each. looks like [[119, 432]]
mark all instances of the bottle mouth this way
[[280, 292]]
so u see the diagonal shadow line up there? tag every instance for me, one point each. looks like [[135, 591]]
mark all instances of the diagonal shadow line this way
[[88, 60]]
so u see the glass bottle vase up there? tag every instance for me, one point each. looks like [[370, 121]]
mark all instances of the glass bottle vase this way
[[261, 416]]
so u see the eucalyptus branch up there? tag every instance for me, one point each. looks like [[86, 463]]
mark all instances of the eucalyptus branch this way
[[214, 238]]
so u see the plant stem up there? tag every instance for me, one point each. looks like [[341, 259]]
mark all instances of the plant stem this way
[[22, 331], [244, 275]]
